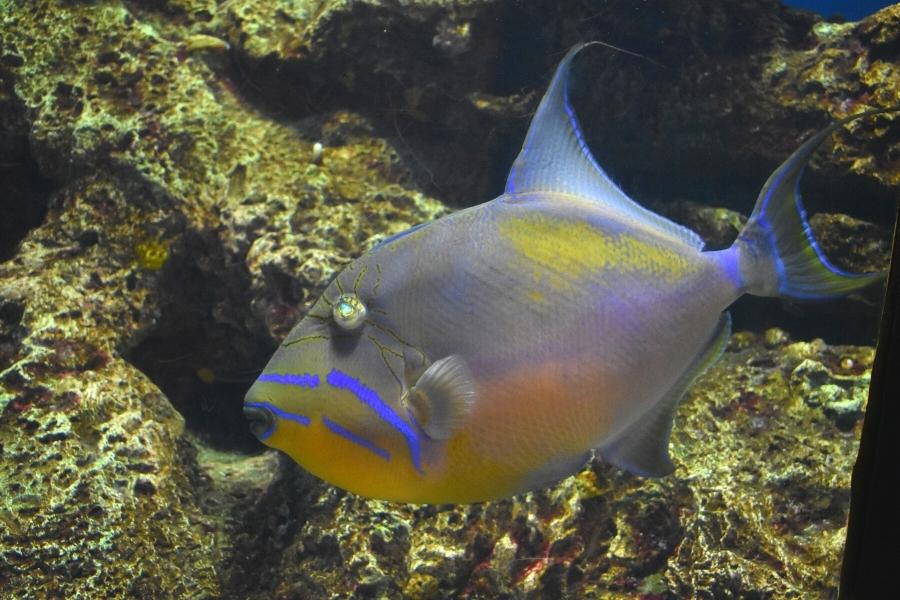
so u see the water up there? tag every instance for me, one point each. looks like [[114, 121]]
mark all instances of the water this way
[[179, 182], [852, 10]]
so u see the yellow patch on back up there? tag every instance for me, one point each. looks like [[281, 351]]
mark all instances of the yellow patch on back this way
[[564, 252], [536, 296]]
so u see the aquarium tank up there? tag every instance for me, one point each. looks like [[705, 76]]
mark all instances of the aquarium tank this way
[[429, 299]]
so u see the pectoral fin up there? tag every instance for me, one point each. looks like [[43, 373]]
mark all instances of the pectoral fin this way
[[442, 397]]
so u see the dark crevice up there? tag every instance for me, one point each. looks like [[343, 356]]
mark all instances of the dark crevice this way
[[24, 190], [267, 527], [205, 351], [12, 332], [840, 321]]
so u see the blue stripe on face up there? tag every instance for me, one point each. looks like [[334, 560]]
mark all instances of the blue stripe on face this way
[[369, 397], [356, 439], [305, 380], [289, 416]]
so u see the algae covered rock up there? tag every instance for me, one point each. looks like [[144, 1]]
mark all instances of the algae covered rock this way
[[179, 179], [99, 485], [164, 181]]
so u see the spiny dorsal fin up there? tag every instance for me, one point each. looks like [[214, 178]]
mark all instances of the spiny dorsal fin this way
[[555, 158], [643, 447], [442, 397]]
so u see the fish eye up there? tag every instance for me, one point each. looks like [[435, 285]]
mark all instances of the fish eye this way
[[349, 312]]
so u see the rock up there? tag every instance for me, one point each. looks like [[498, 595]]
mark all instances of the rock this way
[[718, 227], [839, 390], [179, 179], [858, 246], [775, 337], [99, 486]]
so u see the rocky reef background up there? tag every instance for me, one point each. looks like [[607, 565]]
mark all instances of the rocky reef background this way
[[165, 217]]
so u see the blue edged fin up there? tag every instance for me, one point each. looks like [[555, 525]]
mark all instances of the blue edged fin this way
[[642, 447], [776, 249], [556, 159]]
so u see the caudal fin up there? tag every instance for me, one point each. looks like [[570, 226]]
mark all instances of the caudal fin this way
[[777, 252]]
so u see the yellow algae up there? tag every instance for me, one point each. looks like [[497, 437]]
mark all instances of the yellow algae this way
[[202, 42], [151, 253]]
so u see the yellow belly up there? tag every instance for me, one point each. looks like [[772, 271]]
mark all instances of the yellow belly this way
[[521, 422]]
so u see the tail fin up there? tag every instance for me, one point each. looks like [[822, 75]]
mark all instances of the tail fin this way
[[777, 252]]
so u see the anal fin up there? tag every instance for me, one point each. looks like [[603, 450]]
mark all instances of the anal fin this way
[[643, 446]]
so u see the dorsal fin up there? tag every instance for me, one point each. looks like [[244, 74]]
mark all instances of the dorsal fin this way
[[555, 158]]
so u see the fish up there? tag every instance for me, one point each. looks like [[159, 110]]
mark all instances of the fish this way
[[497, 349]]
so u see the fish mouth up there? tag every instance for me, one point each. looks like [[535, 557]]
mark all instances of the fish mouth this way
[[262, 421]]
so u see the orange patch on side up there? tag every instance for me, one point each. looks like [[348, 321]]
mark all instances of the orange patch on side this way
[[528, 417]]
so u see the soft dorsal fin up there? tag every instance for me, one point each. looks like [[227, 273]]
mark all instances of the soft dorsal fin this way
[[643, 446], [555, 158]]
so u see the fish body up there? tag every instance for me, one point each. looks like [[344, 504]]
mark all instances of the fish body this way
[[494, 350]]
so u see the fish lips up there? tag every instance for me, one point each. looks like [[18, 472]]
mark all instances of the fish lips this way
[[262, 420]]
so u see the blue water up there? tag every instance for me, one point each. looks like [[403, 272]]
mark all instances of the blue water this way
[[852, 10]]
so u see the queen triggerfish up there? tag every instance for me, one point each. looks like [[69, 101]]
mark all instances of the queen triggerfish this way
[[497, 349]]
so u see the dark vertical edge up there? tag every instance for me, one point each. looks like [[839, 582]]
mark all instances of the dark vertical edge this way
[[872, 550]]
